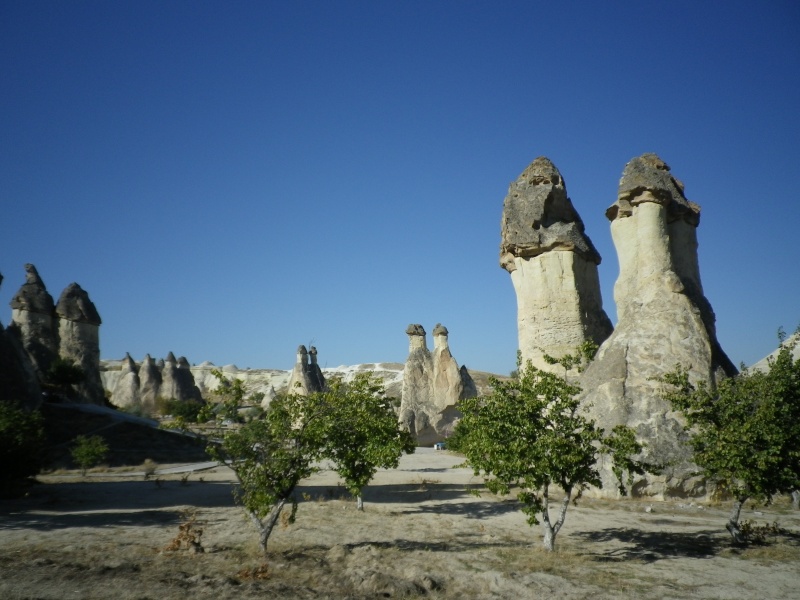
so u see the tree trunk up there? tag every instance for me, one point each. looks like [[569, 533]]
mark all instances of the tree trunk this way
[[359, 502], [796, 499], [733, 521], [551, 530], [265, 527]]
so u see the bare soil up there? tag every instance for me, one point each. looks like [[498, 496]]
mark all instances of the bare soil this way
[[423, 534]]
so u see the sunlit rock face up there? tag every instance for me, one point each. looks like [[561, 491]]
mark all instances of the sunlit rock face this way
[[306, 377], [149, 383], [553, 267], [79, 339], [33, 321], [126, 390], [433, 384], [663, 320]]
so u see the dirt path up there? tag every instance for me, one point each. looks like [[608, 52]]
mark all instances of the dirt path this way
[[422, 535]]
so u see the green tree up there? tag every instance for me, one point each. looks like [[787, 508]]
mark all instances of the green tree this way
[[63, 375], [269, 458], [231, 394], [530, 433], [21, 445], [745, 432], [361, 432], [89, 451]]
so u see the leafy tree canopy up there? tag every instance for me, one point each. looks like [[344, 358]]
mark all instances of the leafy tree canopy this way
[[530, 433], [745, 432], [361, 432]]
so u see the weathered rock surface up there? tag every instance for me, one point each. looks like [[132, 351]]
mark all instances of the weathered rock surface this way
[[126, 391], [149, 384], [133, 386], [79, 339], [306, 378], [18, 380], [33, 321], [663, 320], [432, 385], [553, 267]]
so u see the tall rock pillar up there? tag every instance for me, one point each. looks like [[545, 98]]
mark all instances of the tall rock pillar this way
[[33, 321], [553, 267], [663, 320], [79, 335]]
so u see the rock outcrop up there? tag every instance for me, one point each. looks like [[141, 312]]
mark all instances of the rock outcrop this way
[[663, 320], [553, 267], [149, 383], [33, 321], [126, 391], [432, 385], [18, 380], [306, 378], [42, 331], [79, 339], [169, 379]]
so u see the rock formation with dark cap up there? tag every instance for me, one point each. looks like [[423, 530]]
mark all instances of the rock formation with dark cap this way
[[19, 382], [149, 383], [553, 267], [306, 378], [79, 339], [33, 321], [663, 320], [126, 391], [432, 385]]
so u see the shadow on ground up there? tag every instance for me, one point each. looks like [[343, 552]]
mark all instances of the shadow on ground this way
[[650, 546]]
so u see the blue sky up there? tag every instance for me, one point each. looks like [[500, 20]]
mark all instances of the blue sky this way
[[229, 180]]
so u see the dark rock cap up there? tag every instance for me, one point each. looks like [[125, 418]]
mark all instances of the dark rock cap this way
[[648, 173], [170, 357], [33, 296], [538, 216], [440, 329], [415, 329], [75, 305]]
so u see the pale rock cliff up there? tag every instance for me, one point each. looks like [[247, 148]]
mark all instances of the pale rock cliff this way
[[663, 320], [553, 267], [79, 339]]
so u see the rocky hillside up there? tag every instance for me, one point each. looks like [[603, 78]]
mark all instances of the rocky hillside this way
[[267, 380]]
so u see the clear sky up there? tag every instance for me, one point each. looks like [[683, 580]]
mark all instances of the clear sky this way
[[229, 180]]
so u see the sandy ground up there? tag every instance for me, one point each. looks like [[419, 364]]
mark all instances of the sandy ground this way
[[422, 535]]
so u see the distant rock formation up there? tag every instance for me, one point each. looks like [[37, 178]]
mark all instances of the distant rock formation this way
[[432, 385], [663, 320], [79, 339], [42, 332], [143, 386], [553, 267], [126, 392], [149, 384], [306, 378]]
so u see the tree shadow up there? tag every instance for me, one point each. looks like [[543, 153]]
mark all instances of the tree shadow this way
[[650, 546], [51, 522]]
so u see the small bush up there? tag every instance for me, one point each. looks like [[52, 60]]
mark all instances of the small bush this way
[[89, 451]]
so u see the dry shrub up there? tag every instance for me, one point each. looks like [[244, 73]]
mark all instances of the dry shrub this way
[[259, 572], [149, 467], [189, 535]]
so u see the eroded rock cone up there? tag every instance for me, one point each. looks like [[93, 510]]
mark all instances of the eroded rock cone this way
[[306, 378], [79, 339], [553, 267], [663, 320], [19, 382], [433, 384], [149, 383], [33, 321], [126, 391]]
